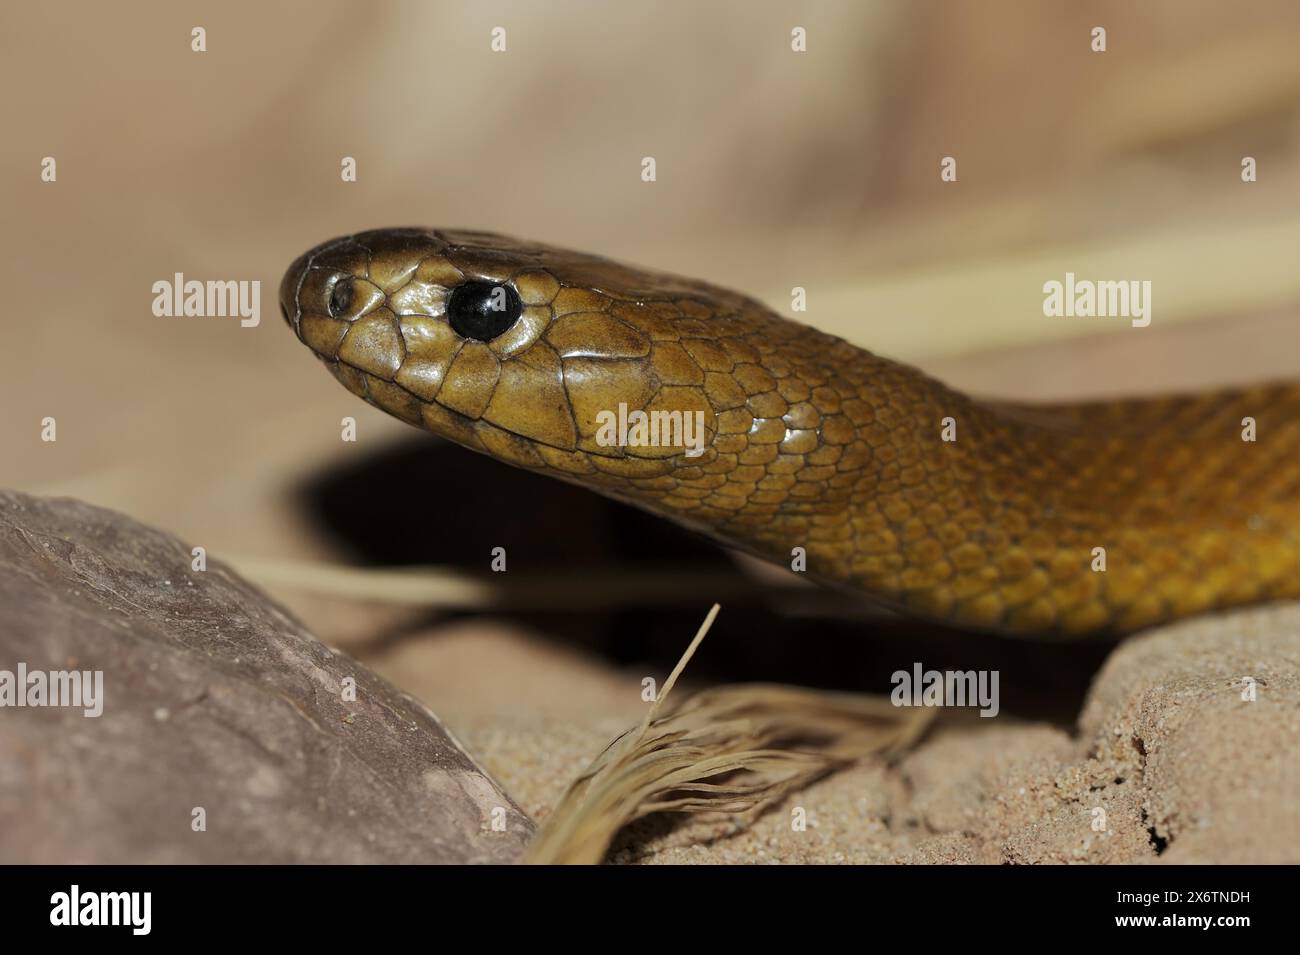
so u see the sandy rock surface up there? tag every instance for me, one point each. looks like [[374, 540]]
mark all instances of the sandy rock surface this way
[[1168, 763]]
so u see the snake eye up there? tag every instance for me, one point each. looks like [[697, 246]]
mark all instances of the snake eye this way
[[483, 310], [340, 297]]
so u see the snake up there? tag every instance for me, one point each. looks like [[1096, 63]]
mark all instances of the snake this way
[[1052, 520]]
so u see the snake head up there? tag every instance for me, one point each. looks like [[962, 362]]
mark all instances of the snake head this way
[[523, 351]]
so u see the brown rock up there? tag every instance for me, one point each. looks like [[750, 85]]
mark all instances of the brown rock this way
[[213, 698]]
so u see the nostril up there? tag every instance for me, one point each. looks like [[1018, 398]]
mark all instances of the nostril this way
[[340, 297]]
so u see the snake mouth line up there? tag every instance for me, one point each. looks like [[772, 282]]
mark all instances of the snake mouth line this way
[[611, 452]]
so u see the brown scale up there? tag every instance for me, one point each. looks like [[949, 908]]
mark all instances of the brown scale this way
[[811, 442]]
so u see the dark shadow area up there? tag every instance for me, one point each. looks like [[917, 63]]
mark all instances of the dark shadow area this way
[[425, 501]]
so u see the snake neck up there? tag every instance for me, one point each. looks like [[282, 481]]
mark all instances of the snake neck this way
[[1068, 519]]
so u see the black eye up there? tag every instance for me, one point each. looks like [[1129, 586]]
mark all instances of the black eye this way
[[341, 297], [483, 310]]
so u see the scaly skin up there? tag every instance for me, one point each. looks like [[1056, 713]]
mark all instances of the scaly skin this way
[[814, 443]]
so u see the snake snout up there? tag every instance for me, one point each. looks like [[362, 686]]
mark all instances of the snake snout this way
[[289, 285]]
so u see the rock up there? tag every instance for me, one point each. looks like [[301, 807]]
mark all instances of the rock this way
[[1176, 759], [1204, 716], [215, 704]]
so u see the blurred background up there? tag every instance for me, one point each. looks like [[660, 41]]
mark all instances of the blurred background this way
[[775, 169]]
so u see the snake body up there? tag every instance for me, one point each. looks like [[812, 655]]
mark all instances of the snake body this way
[[1045, 520]]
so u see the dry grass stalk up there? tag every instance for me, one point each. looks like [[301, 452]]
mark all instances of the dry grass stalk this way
[[731, 749]]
